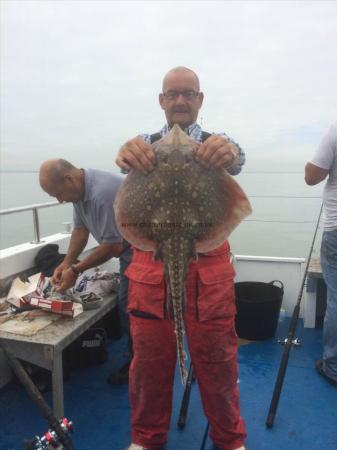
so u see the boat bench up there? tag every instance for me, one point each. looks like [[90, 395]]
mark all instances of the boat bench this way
[[315, 298], [45, 347]]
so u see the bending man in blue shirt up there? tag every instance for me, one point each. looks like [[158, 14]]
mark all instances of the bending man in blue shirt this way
[[92, 193]]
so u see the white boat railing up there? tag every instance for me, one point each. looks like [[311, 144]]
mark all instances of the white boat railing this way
[[36, 224], [34, 208]]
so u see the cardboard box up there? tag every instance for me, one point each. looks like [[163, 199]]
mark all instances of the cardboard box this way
[[21, 292], [24, 293], [58, 306]]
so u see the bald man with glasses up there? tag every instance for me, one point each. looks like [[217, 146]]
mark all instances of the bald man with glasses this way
[[210, 329]]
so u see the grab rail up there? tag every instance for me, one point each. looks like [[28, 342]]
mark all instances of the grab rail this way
[[34, 209]]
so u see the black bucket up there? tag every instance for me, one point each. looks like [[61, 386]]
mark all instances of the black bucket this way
[[258, 309]]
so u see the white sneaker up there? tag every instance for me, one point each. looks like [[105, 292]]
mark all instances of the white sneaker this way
[[241, 448], [135, 447]]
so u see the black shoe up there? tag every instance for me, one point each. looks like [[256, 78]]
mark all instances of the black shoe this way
[[319, 368], [120, 377]]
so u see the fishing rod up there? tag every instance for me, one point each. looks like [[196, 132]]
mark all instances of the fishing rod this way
[[204, 438], [38, 399], [186, 399], [289, 342]]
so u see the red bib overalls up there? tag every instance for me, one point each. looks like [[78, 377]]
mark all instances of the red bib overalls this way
[[212, 343]]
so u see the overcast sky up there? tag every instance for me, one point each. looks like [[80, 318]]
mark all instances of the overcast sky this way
[[79, 78]]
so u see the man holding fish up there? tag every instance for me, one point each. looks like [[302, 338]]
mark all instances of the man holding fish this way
[[159, 311]]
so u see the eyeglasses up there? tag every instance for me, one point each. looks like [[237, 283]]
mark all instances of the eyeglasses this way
[[188, 95]]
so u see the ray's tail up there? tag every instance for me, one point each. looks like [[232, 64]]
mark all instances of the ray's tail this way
[[177, 261], [177, 299]]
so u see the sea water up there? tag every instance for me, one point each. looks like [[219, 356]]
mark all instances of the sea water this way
[[285, 212]]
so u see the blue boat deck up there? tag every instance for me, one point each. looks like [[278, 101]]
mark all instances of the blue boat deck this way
[[306, 417]]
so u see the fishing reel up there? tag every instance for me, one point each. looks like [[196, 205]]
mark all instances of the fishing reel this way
[[295, 342], [50, 440]]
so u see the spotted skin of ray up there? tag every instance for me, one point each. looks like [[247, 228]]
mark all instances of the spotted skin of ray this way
[[177, 210]]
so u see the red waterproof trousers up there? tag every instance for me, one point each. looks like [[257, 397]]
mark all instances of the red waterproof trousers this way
[[212, 343]]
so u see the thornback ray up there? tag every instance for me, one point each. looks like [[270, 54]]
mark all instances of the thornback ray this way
[[178, 210]]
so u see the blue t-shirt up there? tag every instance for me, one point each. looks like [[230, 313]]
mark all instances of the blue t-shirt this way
[[95, 212]]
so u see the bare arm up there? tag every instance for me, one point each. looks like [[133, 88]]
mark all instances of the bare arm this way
[[100, 255], [314, 174], [78, 241]]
